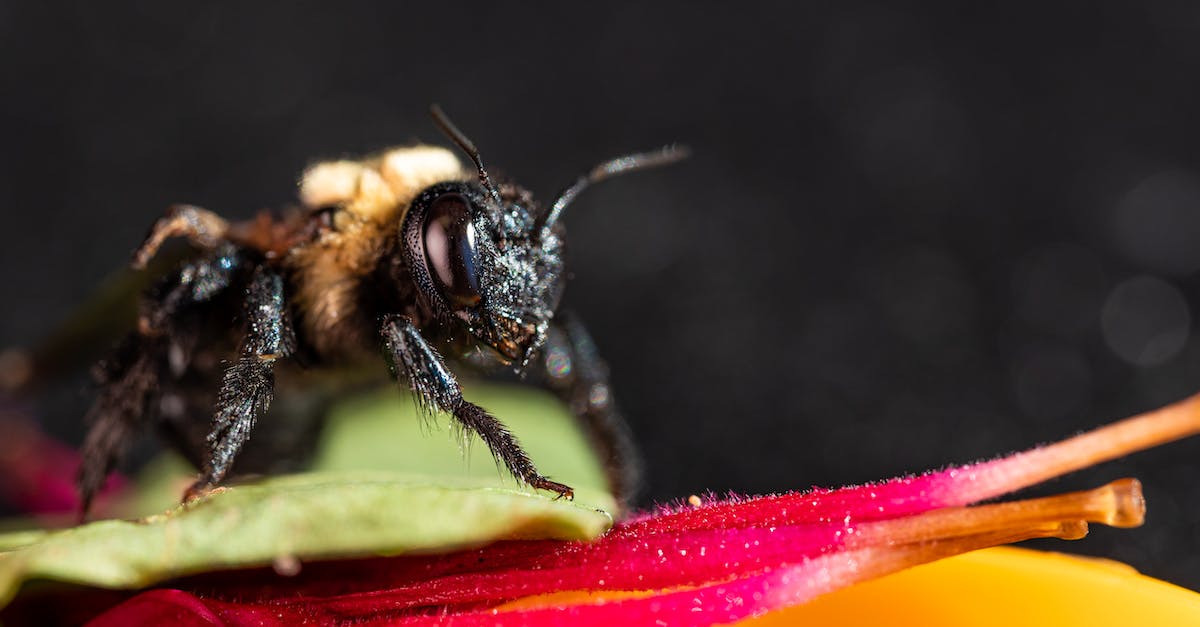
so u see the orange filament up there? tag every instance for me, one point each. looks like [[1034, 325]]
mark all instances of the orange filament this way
[[1153, 428], [1118, 504], [883, 560]]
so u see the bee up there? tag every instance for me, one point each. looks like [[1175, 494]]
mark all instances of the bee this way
[[406, 253]]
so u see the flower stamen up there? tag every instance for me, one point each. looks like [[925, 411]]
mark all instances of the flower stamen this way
[[1117, 504], [1153, 428]]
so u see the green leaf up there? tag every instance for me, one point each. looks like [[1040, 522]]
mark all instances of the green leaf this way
[[385, 483], [385, 431]]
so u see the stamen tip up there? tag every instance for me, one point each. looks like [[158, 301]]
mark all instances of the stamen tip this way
[[1072, 530], [1128, 504]]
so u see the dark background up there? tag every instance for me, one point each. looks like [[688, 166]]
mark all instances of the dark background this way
[[908, 237]]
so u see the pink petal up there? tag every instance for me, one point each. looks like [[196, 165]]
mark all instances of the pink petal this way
[[37, 473]]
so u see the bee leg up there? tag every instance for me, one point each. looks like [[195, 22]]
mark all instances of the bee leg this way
[[201, 227], [196, 282], [249, 382], [573, 370], [131, 377], [412, 358]]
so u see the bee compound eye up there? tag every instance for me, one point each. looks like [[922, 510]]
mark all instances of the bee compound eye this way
[[450, 252]]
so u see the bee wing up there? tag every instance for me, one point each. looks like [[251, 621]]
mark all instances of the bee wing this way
[[75, 345]]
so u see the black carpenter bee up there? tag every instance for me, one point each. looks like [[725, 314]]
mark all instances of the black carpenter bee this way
[[405, 253]]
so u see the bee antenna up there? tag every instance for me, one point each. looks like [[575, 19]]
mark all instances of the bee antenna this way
[[628, 163], [443, 122]]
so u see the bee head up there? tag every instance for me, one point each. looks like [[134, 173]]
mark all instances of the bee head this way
[[496, 262], [486, 262]]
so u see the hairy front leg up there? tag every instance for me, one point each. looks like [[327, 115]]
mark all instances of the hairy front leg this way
[[412, 358]]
